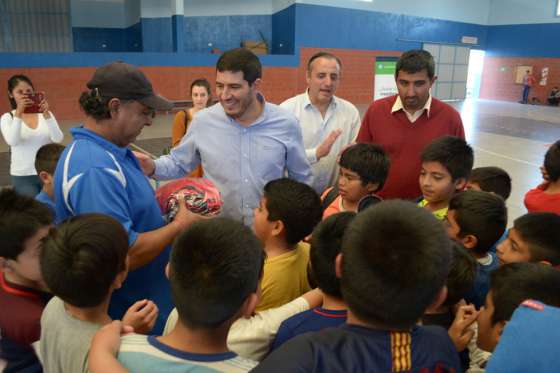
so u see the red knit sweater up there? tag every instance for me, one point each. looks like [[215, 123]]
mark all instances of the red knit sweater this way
[[404, 141]]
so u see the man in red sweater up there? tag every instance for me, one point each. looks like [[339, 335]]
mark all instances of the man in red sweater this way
[[405, 123]]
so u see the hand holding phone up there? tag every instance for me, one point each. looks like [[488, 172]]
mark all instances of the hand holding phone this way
[[36, 100]]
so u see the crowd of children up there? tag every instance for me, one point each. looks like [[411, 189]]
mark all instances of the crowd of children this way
[[432, 285]]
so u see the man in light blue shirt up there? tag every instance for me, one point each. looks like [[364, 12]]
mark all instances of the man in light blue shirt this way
[[242, 143]]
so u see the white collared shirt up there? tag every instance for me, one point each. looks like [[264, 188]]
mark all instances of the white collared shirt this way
[[340, 114], [398, 105]]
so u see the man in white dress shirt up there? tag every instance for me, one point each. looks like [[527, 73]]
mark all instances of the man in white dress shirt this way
[[328, 123]]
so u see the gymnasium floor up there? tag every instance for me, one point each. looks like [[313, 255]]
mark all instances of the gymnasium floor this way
[[504, 134]]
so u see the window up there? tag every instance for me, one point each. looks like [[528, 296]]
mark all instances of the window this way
[[558, 9]]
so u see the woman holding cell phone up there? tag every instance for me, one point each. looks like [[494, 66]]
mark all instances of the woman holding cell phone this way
[[27, 127]]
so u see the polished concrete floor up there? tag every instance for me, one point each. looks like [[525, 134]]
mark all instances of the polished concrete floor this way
[[508, 135]]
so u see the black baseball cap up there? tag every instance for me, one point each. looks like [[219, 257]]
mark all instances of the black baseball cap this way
[[122, 80]]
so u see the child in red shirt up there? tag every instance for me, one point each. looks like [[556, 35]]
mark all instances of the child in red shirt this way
[[546, 197], [24, 222]]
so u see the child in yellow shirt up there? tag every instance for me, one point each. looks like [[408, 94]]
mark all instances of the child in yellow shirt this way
[[287, 213]]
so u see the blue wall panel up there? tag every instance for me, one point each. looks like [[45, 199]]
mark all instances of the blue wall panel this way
[[329, 27], [537, 40], [157, 34], [284, 31], [90, 39], [225, 32]]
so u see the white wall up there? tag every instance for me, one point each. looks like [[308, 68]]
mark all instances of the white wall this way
[[99, 13], [509, 12], [469, 11], [197, 8]]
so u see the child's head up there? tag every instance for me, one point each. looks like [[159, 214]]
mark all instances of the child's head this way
[[24, 222], [84, 259], [394, 264], [288, 209], [534, 237], [462, 274], [326, 244], [510, 285], [446, 164], [45, 164], [552, 162], [490, 179], [476, 219], [363, 170], [214, 270]]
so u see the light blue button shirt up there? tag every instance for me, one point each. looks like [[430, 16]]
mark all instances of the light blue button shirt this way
[[238, 159]]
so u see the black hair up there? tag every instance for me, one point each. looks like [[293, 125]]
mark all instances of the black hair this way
[[241, 59], [453, 153], [462, 274], [215, 265], [20, 219], [416, 60], [369, 161], [552, 161], [81, 258], [297, 205], [511, 284], [481, 214], [47, 157], [395, 262], [206, 84], [12, 83], [541, 232], [492, 179], [326, 55], [326, 244], [95, 106]]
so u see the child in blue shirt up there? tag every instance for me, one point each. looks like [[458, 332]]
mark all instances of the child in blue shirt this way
[[326, 244], [45, 164], [477, 220]]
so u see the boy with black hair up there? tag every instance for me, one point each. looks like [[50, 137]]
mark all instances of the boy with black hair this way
[[45, 164], [446, 165], [460, 281], [546, 197], [214, 270], [363, 170], [477, 220], [326, 244], [534, 237], [287, 213], [84, 259], [23, 224], [386, 296], [490, 179], [511, 285]]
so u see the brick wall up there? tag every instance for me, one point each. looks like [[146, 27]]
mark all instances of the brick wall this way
[[63, 86], [498, 78]]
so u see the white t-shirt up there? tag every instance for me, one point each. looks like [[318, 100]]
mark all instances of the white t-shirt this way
[[140, 353], [25, 142], [252, 337]]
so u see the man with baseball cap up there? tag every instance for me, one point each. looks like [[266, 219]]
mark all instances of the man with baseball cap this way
[[98, 173]]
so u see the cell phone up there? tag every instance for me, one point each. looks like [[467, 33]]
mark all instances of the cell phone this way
[[37, 98]]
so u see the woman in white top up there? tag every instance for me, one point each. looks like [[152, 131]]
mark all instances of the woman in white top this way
[[26, 133]]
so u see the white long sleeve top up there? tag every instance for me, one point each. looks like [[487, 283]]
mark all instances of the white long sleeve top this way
[[24, 141]]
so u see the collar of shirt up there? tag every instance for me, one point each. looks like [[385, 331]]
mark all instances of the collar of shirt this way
[[398, 105], [307, 102], [81, 133]]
